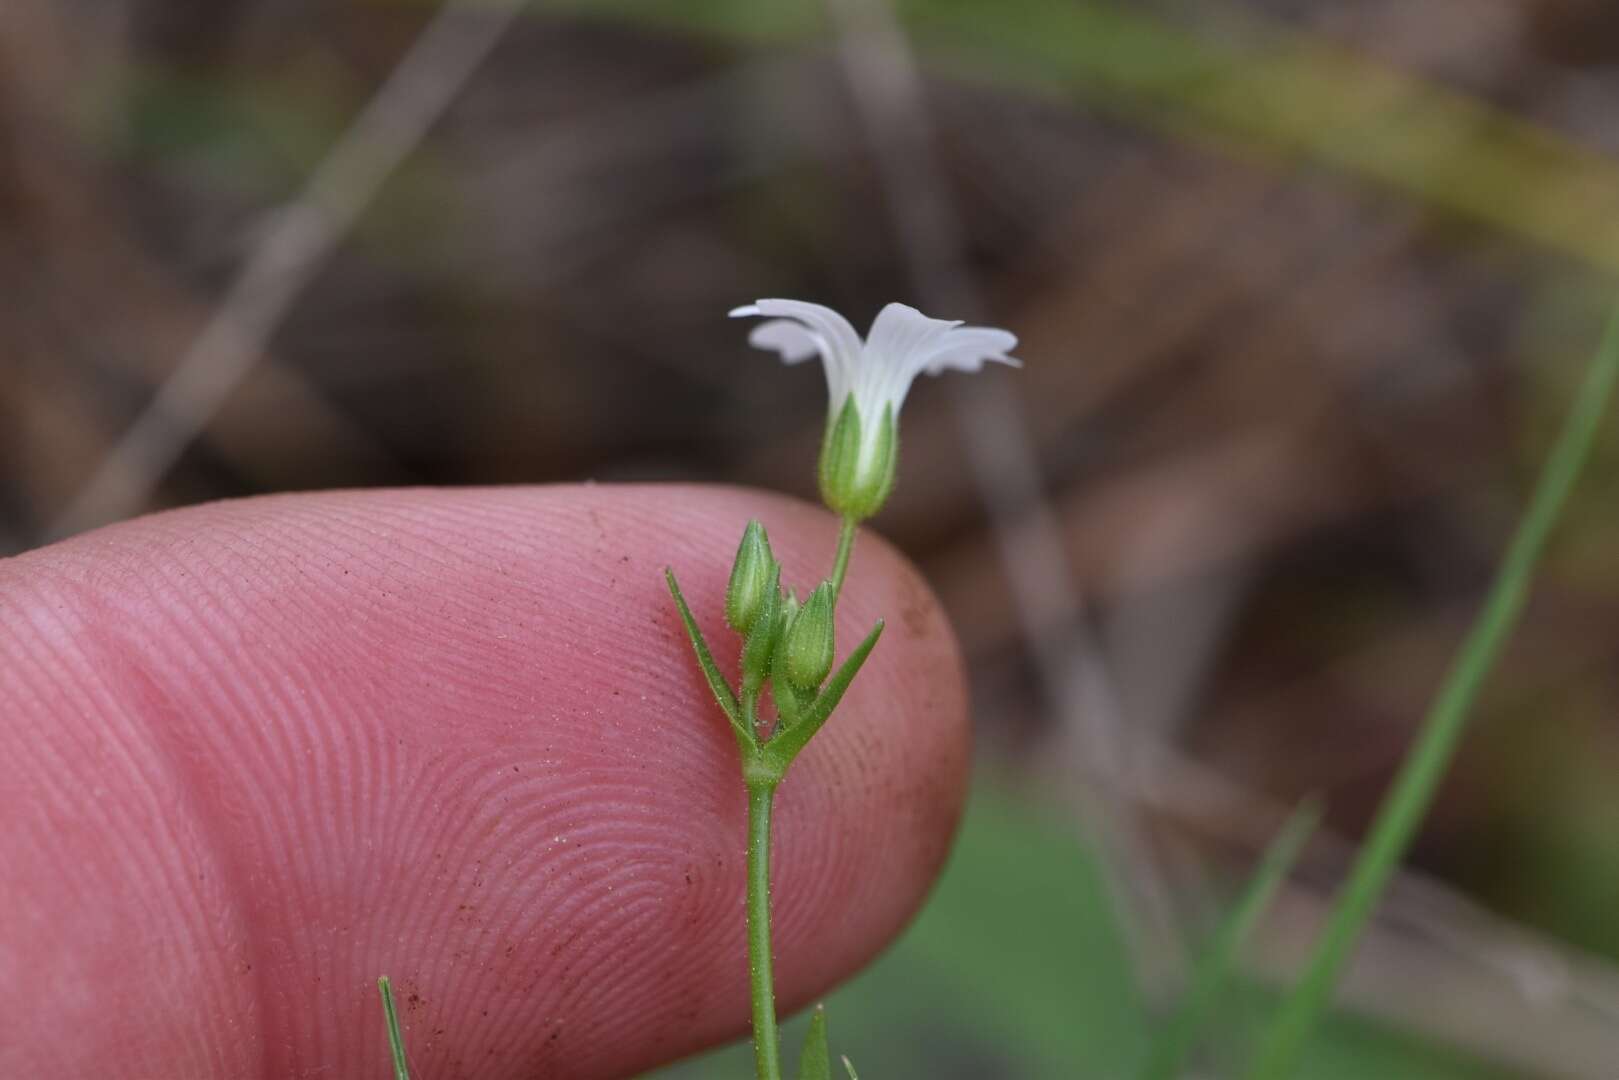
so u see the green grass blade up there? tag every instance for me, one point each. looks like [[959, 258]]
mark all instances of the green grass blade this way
[[396, 1041], [1413, 789], [1172, 1047]]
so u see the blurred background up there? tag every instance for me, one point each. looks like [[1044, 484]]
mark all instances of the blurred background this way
[[1303, 289]]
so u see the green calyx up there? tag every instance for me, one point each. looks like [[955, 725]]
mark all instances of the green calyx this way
[[790, 701], [750, 578], [760, 642], [857, 465], [808, 643]]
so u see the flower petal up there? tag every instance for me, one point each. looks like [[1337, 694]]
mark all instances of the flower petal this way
[[792, 340], [898, 349], [838, 343], [966, 348], [899, 331]]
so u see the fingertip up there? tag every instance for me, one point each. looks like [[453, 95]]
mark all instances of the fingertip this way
[[458, 737]]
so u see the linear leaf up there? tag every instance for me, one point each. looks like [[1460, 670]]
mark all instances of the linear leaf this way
[[785, 746], [705, 660], [815, 1063], [396, 1041]]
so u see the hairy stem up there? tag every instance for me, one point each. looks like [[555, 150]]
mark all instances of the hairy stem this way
[[840, 565], [766, 1045]]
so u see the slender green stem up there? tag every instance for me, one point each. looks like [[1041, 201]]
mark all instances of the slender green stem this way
[[840, 565], [396, 1041], [1413, 790], [750, 716], [766, 1045]]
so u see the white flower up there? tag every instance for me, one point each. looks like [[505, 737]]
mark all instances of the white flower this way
[[867, 382]]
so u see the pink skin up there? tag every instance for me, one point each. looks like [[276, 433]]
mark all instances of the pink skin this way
[[258, 753]]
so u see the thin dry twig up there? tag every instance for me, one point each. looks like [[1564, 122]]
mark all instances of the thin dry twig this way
[[302, 236]]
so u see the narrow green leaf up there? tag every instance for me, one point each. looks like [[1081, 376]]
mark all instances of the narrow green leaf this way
[[396, 1041], [1425, 763], [815, 1063], [785, 746], [705, 659], [1172, 1047]]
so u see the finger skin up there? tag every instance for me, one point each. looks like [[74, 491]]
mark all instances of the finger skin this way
[[260, 752]]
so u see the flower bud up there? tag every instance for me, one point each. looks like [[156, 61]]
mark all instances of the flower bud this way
[[750, 577], [786, 612], [858, 456], [808, 642], [790, 701], [761, 640]]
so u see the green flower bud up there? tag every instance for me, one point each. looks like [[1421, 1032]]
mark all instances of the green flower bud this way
[[808, 643], [761, 639], [857, 464], [790, 701], [786, 612], [750, 576]]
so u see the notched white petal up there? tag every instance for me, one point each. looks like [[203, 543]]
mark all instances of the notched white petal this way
[[831, 327], [836, 340], [899, 331], [967, 348], [790, 339], [877, 373], [902, 343]]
